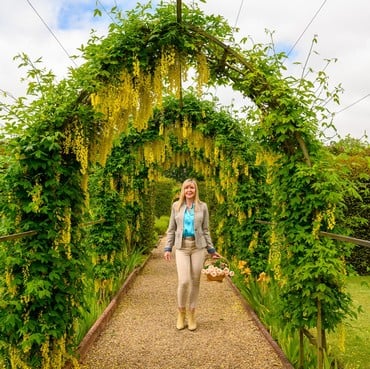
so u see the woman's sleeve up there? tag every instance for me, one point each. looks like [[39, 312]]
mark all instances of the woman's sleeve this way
[[171, 231], [206, 232]]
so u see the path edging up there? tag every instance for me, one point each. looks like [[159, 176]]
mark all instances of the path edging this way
[[100, 324], [284, 360], [105, 317]]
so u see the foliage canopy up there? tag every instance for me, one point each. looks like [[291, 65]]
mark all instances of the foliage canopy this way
[[122, 119]]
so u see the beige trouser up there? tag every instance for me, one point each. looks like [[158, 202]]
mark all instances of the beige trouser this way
[[189, 262]]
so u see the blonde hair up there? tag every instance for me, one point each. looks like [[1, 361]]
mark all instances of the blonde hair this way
[[182, 193]]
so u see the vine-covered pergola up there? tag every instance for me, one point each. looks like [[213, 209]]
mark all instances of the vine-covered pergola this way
[[125, 113]]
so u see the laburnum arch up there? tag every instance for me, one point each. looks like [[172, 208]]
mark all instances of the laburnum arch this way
[[127, 109], [189, 134]]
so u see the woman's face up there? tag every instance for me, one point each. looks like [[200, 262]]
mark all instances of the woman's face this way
[[189, 191]]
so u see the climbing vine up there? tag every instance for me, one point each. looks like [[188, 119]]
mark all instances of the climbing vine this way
[[125, 112]]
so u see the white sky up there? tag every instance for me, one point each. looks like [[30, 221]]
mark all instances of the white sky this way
[[342, 28]]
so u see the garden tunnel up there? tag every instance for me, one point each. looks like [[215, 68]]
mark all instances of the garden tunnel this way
[[126, 114]]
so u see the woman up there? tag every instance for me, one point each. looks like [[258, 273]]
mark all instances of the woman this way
[[188, 231]]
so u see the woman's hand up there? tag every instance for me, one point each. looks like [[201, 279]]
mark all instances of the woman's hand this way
[[167, 255], [216, 255]]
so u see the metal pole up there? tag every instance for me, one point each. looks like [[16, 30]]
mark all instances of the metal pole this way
[[179, 13], [320, 348], [179, 20]]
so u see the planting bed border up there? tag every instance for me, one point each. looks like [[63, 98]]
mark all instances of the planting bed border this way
[[98, 327], [261, 327], [102, 321]]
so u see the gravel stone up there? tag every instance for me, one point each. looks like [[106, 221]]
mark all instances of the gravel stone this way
[[142, 330]]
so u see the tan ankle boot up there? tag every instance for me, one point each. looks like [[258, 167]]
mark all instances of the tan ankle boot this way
[[181, 319], [192, 324]]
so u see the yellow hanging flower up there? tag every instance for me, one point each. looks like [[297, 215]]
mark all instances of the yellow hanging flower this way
[[136, 67], [36, 197], [241, 217], [317, 224], [9, 282], [253, 242], [330, 216], [202, 72]]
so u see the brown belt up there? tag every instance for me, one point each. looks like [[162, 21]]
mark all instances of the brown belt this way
[[189, 238]]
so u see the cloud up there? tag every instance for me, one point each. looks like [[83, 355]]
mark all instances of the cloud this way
[[52, 30], [73, 15], [342, 31], [341, 27]]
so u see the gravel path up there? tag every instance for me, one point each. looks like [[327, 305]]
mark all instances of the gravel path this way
[[142, 332]]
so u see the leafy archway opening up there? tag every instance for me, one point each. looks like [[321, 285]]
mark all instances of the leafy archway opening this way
[[190, 134], [127, 99]]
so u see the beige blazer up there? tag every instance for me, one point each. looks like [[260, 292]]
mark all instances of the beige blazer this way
[[201, 227]]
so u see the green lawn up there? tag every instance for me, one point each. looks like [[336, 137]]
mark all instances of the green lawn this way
[[357, 332]]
